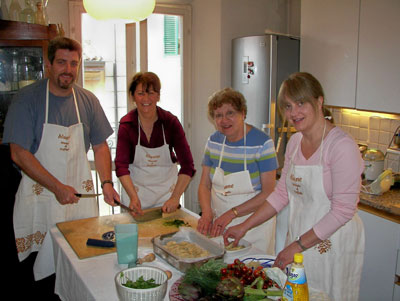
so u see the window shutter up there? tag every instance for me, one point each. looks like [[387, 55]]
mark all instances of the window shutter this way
[[171, 35]]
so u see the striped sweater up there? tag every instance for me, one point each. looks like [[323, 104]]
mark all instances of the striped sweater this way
[[260, 155]]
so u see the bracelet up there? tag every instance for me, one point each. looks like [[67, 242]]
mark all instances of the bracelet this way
[[105, 182], [300, 244], [235, 211]]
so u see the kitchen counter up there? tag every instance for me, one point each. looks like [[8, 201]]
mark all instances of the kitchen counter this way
[[386, 205]]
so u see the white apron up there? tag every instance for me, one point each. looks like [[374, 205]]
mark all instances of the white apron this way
[[153, 174], [62, 152], [228, 191], [334, 265]]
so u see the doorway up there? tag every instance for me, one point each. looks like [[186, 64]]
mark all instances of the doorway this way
[[160, 44]]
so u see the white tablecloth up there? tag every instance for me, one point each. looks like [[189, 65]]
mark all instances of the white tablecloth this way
[[93, 278]]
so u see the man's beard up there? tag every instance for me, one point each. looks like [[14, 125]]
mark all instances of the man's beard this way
[[63, 84]]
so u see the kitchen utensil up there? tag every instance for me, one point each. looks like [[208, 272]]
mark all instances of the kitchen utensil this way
[[100, 243], [126, 238], [149, 214], [382, 184], [373, 163], [153, 213], [87, 195], [151, 294], [148, 258]]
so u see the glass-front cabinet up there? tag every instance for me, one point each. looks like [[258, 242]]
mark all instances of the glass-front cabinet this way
[[23, 53]]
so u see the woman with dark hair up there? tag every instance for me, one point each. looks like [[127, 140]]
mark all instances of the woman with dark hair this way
[[320, 182], [151, 142]]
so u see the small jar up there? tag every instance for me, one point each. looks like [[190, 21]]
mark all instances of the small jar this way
[[26, 72]]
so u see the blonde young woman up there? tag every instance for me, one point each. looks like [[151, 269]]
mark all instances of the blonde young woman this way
[[320, 182]]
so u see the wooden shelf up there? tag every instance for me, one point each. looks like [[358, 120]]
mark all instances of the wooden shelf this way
[[13, 30]]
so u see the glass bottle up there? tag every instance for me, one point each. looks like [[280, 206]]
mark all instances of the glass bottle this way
[[14, 82], [26, 71], [14, 10], [27, 14], [296, 288], [39, 16]]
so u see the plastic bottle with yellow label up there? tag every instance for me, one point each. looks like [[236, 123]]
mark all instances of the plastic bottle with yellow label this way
[[296, 288]]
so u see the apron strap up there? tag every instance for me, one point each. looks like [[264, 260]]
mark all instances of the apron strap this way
[[223, 148], [47, 104], [322, 145]]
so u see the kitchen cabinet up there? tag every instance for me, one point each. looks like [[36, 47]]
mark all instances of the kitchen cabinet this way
[[351, 47], [23, 53], [382, 245], [328, 47], [378, 75]]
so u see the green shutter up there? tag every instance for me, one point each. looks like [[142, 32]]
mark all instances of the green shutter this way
[[171, 35]]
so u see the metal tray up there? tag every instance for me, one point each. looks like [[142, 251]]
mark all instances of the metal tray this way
[[190, 235]]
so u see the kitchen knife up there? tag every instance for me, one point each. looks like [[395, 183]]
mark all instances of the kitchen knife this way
[[100, 243], [87, 195], [149, 214]]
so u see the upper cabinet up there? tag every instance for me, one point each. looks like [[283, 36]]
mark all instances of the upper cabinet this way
[[328, 47], [378, 76], [351, 47], [23, 52]]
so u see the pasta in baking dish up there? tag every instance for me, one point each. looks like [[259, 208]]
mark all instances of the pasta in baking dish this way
[[186, 249]]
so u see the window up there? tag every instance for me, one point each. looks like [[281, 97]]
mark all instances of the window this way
[[171, 35]]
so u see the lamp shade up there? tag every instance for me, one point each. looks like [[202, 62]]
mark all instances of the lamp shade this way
[[135, 10]]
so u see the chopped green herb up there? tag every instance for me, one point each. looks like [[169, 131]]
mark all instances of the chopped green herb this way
[[177, 223], [140, 283]]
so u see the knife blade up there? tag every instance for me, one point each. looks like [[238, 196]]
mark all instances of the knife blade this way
[[148, 215], [87, 195]]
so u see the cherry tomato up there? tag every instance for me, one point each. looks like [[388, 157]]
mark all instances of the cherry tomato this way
[[224, 271], [237, 273], [259, 268], [256, 273], [237, 261], [244, 270]]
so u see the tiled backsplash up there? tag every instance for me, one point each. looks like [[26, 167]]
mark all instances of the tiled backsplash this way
[[375, 131]]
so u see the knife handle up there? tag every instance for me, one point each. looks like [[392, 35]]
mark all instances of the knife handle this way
[[100, 243]]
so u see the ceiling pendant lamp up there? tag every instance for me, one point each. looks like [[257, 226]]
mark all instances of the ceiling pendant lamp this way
[[135, 10]]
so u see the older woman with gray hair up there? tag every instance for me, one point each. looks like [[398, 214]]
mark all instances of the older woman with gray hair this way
[[238, 171]]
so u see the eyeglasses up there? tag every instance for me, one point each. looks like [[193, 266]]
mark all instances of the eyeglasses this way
[[228, 115]]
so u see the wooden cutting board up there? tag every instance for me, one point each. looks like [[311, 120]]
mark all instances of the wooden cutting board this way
[[78, 231]]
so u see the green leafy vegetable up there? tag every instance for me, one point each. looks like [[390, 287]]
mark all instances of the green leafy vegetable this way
[[140, 283], [206, 276], [176, 223]]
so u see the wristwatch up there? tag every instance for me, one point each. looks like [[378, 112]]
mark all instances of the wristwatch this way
[[105, 182], [300, 244]]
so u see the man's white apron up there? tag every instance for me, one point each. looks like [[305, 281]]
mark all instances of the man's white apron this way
[[334, 265], [234, 189], [153, 174], [62, 152]]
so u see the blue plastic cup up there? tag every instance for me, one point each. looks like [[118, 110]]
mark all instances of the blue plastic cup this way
[[126, 238]]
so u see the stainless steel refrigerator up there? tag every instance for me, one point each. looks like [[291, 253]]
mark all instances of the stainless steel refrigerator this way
[[259, 66]]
